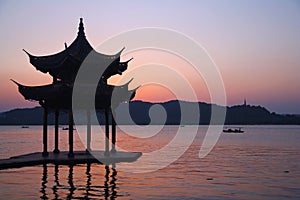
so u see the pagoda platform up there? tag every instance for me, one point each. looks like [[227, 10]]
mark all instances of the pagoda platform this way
[[62, 158]]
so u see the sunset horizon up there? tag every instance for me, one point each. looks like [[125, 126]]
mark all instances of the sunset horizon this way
[[255, 55]]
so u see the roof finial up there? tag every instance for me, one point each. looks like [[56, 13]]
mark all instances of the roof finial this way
[[81, 28]]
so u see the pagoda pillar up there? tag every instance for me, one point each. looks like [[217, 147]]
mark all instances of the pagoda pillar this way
[[106, 153], [56, 150], [71, 152], [45, 135], [113, 137], [88, 131]]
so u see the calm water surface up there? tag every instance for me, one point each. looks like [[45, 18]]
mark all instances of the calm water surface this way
[[262, 163]]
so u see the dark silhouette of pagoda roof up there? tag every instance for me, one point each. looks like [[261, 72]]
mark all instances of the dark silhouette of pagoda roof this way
[[65, 64], [59, 95]]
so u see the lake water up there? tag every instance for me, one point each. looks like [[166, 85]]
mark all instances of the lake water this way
[[262, 163]]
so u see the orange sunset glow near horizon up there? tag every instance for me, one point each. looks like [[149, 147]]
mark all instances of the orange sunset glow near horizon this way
[[254, 44]]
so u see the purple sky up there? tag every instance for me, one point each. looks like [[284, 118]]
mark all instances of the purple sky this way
[[254, 43]]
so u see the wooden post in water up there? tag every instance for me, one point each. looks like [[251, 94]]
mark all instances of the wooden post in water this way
[[106, 153], [113, 137], [56, 150], [45, 137], [88, 131], [71, 152]]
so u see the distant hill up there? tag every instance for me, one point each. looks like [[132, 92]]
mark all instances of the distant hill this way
[[139, 112]]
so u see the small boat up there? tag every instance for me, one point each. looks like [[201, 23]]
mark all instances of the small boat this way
[[233, 130], [67, 128], [24, 126]]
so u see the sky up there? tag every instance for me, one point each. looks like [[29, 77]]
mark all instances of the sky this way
[[255, 44]]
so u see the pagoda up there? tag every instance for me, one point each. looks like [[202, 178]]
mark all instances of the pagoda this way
[[57, 96]]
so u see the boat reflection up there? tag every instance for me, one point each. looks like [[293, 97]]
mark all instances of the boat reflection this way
[[54, 185]]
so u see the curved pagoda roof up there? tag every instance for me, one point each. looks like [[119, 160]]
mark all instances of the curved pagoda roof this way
[[59, 95], [65, 64]]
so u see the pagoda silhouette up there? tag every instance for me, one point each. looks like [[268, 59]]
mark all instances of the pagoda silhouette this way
[[57, 96]]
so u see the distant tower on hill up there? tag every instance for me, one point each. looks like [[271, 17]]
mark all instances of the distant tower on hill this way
[[245, 103]]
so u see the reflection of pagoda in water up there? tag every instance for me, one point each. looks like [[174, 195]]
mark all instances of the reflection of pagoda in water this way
[[56, 97], [91, 185]]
